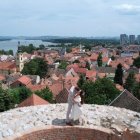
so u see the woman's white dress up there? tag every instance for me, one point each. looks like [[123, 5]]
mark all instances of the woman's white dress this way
[[76, 109]]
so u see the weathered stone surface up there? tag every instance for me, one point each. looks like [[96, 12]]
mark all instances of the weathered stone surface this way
[[23, 119]]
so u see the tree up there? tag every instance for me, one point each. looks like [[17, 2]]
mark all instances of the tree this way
[[99, 60], [41, 47], [119, 75], [136, 90], [63, 64], [103, 91], [81, 81], [10, 52], [112, 57], [45, 94], [24, 93], [37, 66], [19, 94], [87, 65], [5, 100], [68, 49], [137, 62], [29, 49], [130, 82]]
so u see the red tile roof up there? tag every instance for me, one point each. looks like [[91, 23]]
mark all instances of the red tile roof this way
[[24, 80], [101, 75], [94, 57], [71, 81], [90, 73], [2, 77], [74, 66], [56, 88], [105, 59], [36, 87], [7, 65], [33, 100], [81, 70]]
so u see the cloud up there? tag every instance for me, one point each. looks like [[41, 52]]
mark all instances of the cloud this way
[[69, 17], [128, 9]]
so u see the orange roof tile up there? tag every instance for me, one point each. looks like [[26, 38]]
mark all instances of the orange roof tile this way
[[36, 87], [74, 66], [33, 100], [101, 75], [105, 59], [7, 65], [90, 73], [24, 80], [56, 88], [81, 70], [2, 77], [94, 57]]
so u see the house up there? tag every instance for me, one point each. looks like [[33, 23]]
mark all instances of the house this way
[[81, 70], [126, 100], [91, 74], [105, 61], [106, 72], [70, 81], [75, 50], [11, 78], [45, 53], [126, 62], [93, 58], [7, 67], [33, 100], [71, 72], [74, 66], [56, 88], [21, 81], [34, 88]]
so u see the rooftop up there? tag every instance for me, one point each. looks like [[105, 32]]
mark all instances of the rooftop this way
[[20, 120]]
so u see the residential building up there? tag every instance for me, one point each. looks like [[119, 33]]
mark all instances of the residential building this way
[[33, 100], [7, 67], [123, 39], [138, 39], [132, 39]]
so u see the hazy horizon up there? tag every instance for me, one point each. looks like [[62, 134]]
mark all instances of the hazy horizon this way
[[72, 18]]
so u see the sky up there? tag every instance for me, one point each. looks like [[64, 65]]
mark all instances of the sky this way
[[85, 18]]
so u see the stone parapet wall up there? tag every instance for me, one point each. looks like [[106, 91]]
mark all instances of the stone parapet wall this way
[[117, 120], [73, 133]]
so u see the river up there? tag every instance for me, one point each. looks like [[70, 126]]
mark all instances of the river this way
[[12, 44]]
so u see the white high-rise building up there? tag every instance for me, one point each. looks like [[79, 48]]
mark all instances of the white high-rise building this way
[[123, 39], [132, 39], [138, 39]]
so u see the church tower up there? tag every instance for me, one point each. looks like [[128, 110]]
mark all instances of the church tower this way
[[19, 58]]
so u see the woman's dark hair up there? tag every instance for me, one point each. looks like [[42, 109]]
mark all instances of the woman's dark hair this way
[[82, 97], [77, 89]]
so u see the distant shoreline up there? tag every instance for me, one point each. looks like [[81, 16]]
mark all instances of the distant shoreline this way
[[5, 39]]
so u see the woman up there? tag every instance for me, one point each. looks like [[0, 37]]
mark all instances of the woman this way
[[76, 109]]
